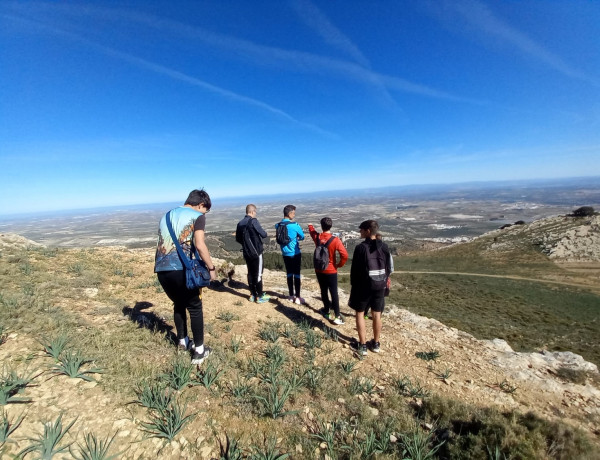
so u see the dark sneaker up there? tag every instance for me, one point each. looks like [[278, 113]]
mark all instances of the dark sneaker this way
[[375, 347], [324, 312], [199, 358]]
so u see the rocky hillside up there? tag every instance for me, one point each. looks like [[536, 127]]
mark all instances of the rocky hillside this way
[[111, 298], [562, 238]]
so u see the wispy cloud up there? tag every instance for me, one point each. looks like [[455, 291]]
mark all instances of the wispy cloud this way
[[269, 56], [480, 17], [177, 75], [317, 21]]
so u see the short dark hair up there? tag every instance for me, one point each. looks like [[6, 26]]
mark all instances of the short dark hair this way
[[197, 197], [250, 208], [326, 223], [370, 225], [289, 208]]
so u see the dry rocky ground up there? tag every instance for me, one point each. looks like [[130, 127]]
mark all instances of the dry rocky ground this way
[[482, 373]]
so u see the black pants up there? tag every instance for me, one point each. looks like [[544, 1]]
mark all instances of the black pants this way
[[292, 268], [328, 285], [173, 282], [255, 271]]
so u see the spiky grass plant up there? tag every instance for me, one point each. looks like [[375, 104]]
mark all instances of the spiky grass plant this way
[[47, 443], [235, 345], [209, 374], [180, 374], [402, 385], [275, 354], [94, 448], [54, 346], [12, 384], [305, 324], [360, 385], [368, 446], [431, 355], [266, 371], [7, 427], [331, 334], [230, 449], [313, 340], [71, 363], [296, 379], [332, 435], [418, 445], [241, 388], [347, 366], [267, 451], [154, 395], [167, 423], [272, 404], [2, 335], [314, 376], [270, 332], [227, 316]]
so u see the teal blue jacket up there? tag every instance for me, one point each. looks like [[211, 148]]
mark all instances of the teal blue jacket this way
[[296, 234]]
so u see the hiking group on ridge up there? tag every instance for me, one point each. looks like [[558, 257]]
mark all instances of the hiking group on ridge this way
[[372, 265]]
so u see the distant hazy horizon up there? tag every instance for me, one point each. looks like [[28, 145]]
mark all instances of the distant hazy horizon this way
[[430, 191]]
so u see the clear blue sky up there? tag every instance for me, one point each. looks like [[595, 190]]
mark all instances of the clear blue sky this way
[[124, 102]]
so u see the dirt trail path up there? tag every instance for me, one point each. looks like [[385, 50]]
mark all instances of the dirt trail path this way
[[510, 277]]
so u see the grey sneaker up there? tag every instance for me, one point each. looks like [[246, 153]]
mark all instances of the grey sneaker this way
[[199, 358], [360, 348], [339, 321]]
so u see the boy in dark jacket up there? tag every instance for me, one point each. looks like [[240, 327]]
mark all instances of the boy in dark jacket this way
[[249, 234]]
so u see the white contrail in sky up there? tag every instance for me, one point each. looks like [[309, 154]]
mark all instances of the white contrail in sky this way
[[174, 74], [483, 19]]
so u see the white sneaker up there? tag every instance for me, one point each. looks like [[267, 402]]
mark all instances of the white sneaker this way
[[299, 301], [339, 321]]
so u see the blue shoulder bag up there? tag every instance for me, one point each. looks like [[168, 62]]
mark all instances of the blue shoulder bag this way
[[196, 271]]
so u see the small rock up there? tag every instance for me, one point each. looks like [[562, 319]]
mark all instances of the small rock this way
[[393, 439], [206, 452], [374, 411], [120, 423], [311, 416], [341, 400], [124, 433], [299, 448], [323, 445]]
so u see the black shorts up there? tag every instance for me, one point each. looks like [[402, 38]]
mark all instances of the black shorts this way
[[359, 301]]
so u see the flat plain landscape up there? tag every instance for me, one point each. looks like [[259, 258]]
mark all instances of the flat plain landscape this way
[[282, 379]]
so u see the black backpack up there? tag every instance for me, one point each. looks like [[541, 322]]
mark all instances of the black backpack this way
[[377, 266], [281, 234], [321, 255], [248, 247], [244, 237]]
